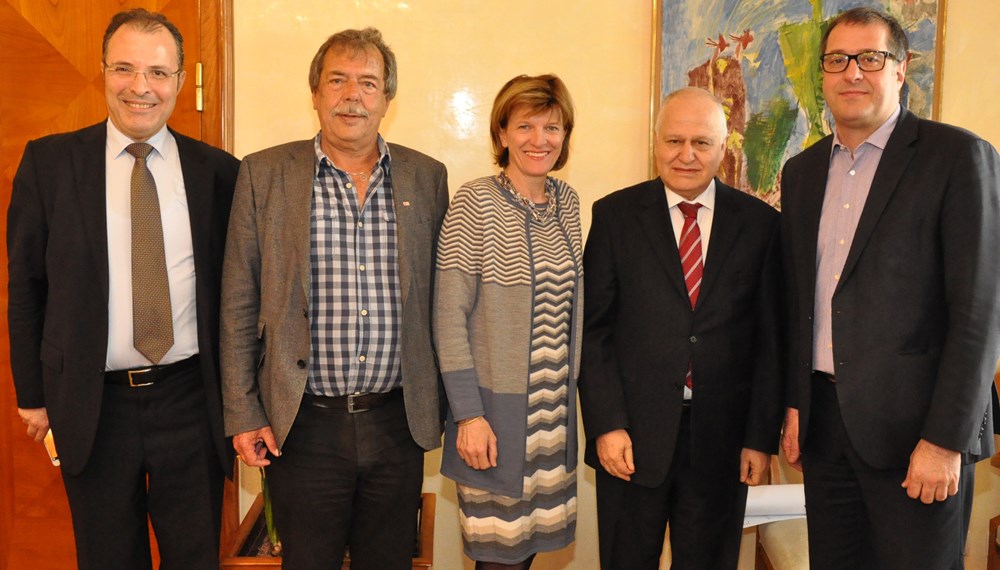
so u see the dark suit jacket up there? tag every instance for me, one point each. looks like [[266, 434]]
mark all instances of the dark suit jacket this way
[[265, 341], [640, 332], [916, 313], [58, 269]]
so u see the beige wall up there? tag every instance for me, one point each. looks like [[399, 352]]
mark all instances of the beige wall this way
[[454, 55]]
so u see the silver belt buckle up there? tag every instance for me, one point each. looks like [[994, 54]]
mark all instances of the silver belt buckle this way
[[350, 404], [131, 380]]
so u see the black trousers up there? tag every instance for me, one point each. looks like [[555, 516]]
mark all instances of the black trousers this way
[[860, 517], [704, 510], [347, 480], [153, 455]]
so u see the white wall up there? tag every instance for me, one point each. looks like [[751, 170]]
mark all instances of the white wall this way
[[455, 54]]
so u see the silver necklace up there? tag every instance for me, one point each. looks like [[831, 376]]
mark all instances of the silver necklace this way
[[537, 214], [363, 176]]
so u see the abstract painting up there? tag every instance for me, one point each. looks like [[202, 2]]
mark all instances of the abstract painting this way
[[761, 58]]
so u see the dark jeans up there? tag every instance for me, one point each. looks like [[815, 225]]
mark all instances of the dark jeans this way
[[347, 480]]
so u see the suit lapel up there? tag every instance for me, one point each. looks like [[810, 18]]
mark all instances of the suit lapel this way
[[89, 170], [198, 189], [726, 223], [814, 189], [297, 192], [896, 158], [654, 218], [403, 179]]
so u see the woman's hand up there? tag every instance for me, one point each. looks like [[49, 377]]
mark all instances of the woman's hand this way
[[477, 445]]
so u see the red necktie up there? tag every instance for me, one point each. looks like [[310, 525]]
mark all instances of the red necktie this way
[[691, 261]]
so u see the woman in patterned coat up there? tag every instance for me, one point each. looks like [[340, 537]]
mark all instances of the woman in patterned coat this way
[[507, 321]]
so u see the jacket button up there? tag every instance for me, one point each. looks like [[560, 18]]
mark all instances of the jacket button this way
[[693, 339], [301, 364]]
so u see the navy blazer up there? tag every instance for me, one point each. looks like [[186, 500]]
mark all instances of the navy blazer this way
[[58, 279], [640, 333], [916, 313]]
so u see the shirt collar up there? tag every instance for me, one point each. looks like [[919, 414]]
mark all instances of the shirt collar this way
[[384, 158], [878, 139], [117, 140], [706, 198]]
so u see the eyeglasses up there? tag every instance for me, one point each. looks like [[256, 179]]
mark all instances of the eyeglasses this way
[[866, 60], [128, 73]]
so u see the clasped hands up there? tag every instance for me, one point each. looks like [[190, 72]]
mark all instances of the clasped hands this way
[[614, 450], [932, 475]]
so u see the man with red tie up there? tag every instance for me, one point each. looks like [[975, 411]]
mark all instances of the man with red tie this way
[[680, 381]]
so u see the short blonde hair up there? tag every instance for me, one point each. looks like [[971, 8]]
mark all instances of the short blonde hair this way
[[538, 94]]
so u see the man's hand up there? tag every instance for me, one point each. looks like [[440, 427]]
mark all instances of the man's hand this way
[[252, 446], [790, 439], [614, 449], [477, 444], [933, 473], [37, 420], [753, 465]]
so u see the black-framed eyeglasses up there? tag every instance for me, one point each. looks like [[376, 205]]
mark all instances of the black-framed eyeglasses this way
[[127, 73], [866, 60]]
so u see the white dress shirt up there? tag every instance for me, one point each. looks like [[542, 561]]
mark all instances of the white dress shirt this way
[[705, 214], [165, 164]]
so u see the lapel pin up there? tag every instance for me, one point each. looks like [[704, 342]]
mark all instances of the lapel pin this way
[[406, 202]]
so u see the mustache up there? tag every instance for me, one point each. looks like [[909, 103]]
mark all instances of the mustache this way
[[349, 109]]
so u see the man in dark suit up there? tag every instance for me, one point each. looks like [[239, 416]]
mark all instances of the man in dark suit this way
[[890, 230], [329, 376], [680, 383], [131, 396]]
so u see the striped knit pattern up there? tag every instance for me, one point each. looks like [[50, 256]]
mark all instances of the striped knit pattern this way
[[496, 528], [485, 235]]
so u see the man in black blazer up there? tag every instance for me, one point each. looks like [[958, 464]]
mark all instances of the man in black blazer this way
[[664, 451], [138, 431], [890, 229]]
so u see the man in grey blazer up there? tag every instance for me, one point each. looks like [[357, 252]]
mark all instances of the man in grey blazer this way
[[890, 229], [329, 376]]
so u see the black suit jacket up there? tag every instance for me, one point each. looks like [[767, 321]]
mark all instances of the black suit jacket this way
[[916, 313], [640, 332], [58, 279]]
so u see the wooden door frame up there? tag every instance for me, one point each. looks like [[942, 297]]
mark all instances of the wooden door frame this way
[[217, 37], [216, 55]]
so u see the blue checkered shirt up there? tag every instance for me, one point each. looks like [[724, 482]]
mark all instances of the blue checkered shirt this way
[[355, 305]]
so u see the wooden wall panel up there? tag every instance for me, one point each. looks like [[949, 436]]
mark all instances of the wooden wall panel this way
[[51, 81]]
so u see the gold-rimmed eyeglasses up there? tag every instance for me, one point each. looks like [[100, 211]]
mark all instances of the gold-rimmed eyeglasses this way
[[128, 73], [866, 60]]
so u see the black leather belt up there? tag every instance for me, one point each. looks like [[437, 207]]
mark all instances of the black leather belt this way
[[353, 403], [824, 376], [149, 375]]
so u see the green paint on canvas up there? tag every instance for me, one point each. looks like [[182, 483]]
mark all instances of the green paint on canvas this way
[[764, 143], [800, 48]]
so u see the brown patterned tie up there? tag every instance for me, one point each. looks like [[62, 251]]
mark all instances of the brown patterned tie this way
[[152, 321]]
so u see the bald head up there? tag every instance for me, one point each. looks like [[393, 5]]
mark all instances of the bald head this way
[[690, 140], [688, 98]]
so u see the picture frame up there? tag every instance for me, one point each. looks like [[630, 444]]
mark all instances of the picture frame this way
[[774, 105]]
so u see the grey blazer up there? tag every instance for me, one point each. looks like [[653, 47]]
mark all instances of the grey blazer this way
[[265, 341], [916, 312]]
